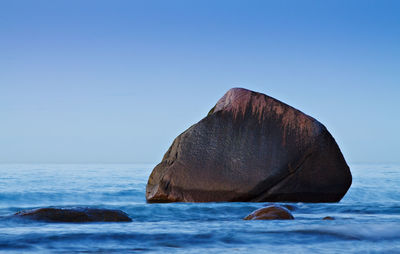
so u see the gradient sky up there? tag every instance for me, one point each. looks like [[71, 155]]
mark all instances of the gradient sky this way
[[117, 81]]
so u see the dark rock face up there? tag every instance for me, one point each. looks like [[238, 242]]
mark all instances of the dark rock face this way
[[273, 212], [251, 148], [75, 215]]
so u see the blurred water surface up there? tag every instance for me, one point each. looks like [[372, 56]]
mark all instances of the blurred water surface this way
[[367, 220]]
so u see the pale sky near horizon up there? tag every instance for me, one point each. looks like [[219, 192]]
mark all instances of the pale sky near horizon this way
[[117, 81]]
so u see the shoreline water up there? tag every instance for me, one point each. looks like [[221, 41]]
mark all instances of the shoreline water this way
[[367, 218]]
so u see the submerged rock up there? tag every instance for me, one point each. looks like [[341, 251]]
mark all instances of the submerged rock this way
[[251, 148], [75, 215], [273, 212]]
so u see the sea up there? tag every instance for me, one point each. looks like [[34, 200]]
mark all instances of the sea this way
[[367, 219]]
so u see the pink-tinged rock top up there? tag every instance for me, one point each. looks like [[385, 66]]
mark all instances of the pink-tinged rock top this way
[[239, 101]]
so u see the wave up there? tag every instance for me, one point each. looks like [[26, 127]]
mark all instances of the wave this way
[[370, 232]]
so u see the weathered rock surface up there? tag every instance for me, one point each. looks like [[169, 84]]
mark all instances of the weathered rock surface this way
[[251, 147], [273, 212], [74, 215]]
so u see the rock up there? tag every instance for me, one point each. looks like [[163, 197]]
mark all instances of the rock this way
[[328, 218], [273, 212], [75, 215], [251, 148]]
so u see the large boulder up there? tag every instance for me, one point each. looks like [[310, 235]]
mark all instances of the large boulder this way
[[74, 215], [251, 148]]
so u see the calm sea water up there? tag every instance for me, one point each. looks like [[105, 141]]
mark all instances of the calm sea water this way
[[367, 219]]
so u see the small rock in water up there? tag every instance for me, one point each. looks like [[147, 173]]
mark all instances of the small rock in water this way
[[74, 215], [273, 212], [328, 218]]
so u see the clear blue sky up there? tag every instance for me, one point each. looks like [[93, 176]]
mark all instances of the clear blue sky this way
[[117, 81]]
